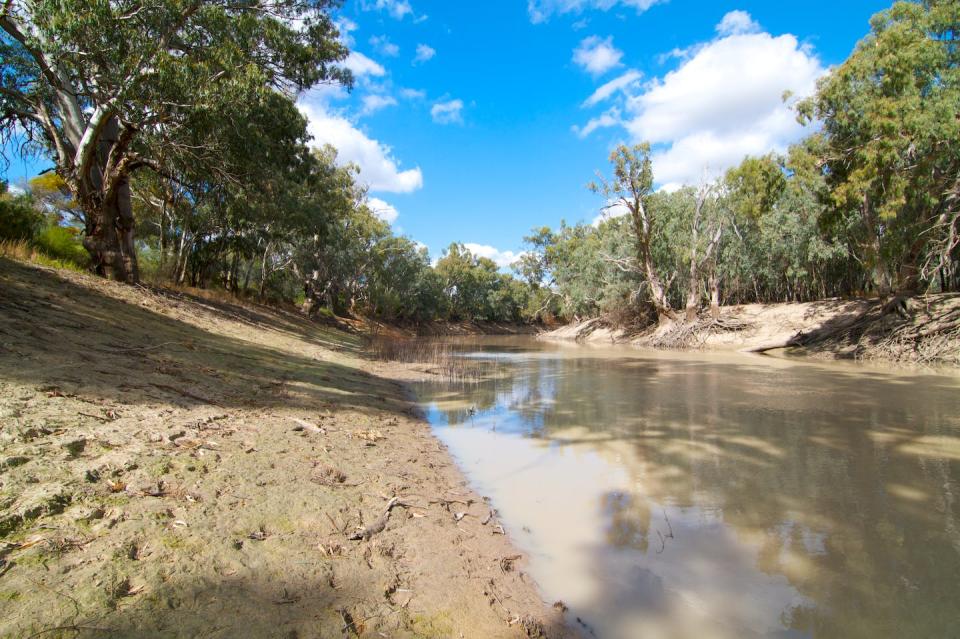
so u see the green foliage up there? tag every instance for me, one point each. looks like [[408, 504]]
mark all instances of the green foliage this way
[[63, 243], [198, 90], [890, 121], [19, 220], [476, 290]]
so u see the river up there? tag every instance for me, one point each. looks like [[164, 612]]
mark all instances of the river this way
[[717, 495]]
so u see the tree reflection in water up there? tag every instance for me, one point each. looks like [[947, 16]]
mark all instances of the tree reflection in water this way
[[761, 496]]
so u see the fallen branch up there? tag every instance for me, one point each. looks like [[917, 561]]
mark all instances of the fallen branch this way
[[305, 425], [377, 526], [185, 393]]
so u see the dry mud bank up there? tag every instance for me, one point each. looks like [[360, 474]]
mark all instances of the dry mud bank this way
[[920, 330], [176, 467]]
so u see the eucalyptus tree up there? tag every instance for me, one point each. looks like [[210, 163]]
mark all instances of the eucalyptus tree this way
[[631, 188], [108, 87], [889, 114]]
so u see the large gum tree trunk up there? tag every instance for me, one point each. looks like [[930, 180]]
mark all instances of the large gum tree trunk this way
[[658, 294], [110, 226], [714, 285]]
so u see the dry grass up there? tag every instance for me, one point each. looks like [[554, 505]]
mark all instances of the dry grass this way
[[441, 357], [23, 251]]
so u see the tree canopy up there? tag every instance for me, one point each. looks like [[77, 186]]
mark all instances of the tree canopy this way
[[185, 87]]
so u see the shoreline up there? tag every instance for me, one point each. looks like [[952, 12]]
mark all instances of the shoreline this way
[[919, 331], [196, 467]]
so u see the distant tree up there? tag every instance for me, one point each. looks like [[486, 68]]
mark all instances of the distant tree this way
[[111, 86], [632, 187]]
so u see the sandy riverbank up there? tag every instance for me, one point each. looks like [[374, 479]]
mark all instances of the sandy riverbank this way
[[173, 466], [922, 330]]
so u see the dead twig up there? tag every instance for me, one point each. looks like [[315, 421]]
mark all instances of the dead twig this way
[[305, 425], [377, 526], [186, 393]]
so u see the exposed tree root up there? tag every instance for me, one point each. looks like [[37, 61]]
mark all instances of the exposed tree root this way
[[918, 330], [684, 334]]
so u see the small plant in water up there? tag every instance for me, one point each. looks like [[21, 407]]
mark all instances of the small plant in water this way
[[445, 358]]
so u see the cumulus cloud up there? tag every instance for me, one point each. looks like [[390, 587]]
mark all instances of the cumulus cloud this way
[[625, 81], [449, 112], [383, 45], [397, 9], [503, 259], [597, 55], [361, 65], [736, 23], [383, 210], [379, 169], [424, 53], [543, 10], [374, 102], [721, 103]]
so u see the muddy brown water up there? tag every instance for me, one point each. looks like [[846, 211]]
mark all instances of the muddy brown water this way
[[724, 495]]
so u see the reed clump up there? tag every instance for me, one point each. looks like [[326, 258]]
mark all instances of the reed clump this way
[[442, 358]]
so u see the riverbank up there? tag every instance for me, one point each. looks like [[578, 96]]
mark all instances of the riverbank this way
[[921, 330], [179, 466]]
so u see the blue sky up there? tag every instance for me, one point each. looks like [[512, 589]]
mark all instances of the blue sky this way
[[475, 122]]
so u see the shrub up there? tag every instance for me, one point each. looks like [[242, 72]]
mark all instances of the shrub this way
[[18, 220], [62, 243]]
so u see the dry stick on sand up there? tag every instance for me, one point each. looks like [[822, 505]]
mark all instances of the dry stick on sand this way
[[377, 526], [186, 393], [308, 426]]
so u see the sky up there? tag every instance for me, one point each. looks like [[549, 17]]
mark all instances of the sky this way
[[475, 122]]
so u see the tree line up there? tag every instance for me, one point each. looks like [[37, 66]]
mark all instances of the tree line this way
[[867, 205], [179, 153]]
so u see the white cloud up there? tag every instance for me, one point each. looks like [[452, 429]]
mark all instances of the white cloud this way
[[384, 46], [374, 102], [606, 120], [383, 210], [597, 55], [611, 211], [723, 103], [625, 81], [449, 112], [397, 9], [737, 23], [678, 53], [503, 259], [424, 53], [346, 26], [379, 169], [543, 10], [361, 65], [413, 94], [16, 189]]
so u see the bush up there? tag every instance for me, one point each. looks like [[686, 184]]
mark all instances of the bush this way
[[62, 243], [18, 220]]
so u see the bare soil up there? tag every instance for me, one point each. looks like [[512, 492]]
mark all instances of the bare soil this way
[[923, 330], [172, 466]]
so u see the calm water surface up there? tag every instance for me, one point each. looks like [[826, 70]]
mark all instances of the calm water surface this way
[[679, 495]]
